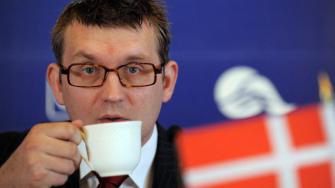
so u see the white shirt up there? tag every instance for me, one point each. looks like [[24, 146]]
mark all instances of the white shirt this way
[[141, 177]]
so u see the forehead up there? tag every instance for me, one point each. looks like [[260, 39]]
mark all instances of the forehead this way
[[114, 40]]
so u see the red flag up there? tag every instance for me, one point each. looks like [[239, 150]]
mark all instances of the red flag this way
[[294, 151]]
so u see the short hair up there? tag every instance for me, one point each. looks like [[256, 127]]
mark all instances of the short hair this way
[[114, 13]]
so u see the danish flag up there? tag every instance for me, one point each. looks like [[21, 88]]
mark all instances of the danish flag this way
[[292, 151], [296, 150]]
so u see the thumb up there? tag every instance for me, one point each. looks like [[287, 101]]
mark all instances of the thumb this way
[[78, 123]]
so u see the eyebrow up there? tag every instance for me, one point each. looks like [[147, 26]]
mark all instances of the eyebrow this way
[[83, 54], [133, 57], [138, 57]]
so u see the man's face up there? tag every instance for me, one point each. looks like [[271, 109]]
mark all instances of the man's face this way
[[112, 47]]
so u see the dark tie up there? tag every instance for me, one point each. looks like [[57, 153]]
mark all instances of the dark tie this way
[[111, 182]]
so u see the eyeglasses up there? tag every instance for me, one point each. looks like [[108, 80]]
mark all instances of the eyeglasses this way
[[93, 75]]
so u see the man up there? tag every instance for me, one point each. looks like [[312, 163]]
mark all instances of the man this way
[[112, 65]]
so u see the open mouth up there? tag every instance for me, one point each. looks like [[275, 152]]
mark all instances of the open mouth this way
[[107, 119]]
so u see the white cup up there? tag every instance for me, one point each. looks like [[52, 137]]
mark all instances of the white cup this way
[[112, 149]]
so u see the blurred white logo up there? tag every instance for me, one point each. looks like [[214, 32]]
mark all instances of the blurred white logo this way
[[241, 92], [53, 110]]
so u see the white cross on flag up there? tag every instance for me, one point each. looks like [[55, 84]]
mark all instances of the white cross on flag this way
[[292, 151]]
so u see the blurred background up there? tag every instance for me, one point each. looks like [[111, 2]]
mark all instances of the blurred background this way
[[240, 60]]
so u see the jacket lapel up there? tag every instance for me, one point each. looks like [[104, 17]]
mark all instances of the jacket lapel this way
[[166, 168]]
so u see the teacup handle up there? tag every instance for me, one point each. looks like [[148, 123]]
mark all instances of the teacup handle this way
[[87, 161]]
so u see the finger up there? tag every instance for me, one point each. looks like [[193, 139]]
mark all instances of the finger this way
[[44, 176], [78, 123], [63, 130], [60, 165], [55, 179], [63, 149], [77, 160]]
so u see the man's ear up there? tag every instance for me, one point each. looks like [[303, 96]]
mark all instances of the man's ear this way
[[170, 79], [53, 78]]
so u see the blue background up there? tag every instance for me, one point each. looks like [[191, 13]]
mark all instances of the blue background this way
[[288, 41]]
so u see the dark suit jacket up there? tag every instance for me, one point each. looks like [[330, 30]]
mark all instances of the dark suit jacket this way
[[166, 169]]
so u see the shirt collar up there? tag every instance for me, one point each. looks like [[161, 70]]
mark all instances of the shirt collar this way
[[148, 151], [142, 170]]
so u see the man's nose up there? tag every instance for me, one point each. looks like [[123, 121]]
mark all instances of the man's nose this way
[[112, 89]]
